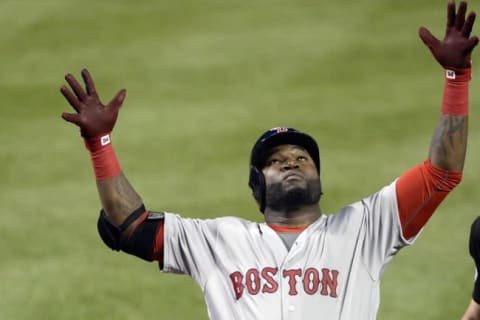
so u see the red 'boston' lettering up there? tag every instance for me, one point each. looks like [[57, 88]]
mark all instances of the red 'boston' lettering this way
[[266, 281], [311, 280], [291, 274], [252, 280], [329, 282], [237, 278], [271, 286]]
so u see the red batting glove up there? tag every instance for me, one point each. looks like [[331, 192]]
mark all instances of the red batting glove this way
[[454, 51], [93, 118], [95, 121]]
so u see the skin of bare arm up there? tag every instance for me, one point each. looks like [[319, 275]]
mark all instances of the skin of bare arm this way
[[472, 312], [119, 199], [449, 143]]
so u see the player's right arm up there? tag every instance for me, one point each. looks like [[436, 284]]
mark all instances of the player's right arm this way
[[124, 223], [96, 122]]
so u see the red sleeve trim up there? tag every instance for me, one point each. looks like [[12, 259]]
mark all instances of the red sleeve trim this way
[[157, 254], [419, 192]]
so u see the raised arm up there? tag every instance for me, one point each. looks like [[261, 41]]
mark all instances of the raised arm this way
[[453, 53], [96, 122], [423, 188]]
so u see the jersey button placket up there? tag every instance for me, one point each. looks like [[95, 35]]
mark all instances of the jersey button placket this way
[[283, 287], [288, 306]]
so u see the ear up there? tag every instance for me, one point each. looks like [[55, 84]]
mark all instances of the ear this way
[[257, 184]]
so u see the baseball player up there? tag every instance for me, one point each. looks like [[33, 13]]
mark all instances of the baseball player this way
[[299, 263], [473, 310]]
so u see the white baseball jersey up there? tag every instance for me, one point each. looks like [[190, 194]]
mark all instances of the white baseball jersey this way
[[331, 272]]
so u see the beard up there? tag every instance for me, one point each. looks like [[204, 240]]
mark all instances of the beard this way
[[278, 198]]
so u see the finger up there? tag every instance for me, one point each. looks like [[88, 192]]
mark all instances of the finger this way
[[470, 45], [460, 18], [468, 26], [90, 85], [76, 87], [428, 38], [71, 117], [117, 101], [72, 100], [450, 14]]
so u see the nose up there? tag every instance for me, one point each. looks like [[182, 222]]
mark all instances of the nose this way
[[290, 164]]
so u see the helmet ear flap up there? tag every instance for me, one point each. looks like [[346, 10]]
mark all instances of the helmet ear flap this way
[[257, 184]]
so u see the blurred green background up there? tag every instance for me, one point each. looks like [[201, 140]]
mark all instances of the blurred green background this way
[[204, 79]]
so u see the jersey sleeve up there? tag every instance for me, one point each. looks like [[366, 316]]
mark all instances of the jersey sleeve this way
[[380, 230], [395, 215], [189, 246], [419, 192], [475, 253]]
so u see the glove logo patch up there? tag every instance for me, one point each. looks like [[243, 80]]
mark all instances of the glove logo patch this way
[[450, 74], [104, 140]]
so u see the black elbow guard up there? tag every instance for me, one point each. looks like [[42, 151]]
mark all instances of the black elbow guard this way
[[140, 243], [112, 234]]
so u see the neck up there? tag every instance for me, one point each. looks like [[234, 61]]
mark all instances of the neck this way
[[299, 217]]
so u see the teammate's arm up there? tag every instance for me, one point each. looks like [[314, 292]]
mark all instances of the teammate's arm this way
[[421, 190], [472, 312]]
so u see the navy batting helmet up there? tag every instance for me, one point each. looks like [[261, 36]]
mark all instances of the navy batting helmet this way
[[268, 140]]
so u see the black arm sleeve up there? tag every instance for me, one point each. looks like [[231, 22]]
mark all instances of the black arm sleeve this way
[[475, 253]]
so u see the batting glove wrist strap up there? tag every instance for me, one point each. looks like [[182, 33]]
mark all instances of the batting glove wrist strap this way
[[103, 157], [455, 93]]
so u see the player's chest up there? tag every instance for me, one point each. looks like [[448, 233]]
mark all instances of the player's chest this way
[[267, 250], [266, 267]]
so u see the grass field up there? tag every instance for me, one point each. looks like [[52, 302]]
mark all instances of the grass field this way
[[204, 79]]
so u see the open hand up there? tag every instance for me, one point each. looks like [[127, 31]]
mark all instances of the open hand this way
[[454, 51], [92, 117]]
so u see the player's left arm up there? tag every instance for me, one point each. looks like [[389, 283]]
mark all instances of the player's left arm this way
[[422, 189], [453, 53]]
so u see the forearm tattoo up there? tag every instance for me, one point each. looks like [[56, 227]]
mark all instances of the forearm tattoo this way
[[118, 197], [449, 143]]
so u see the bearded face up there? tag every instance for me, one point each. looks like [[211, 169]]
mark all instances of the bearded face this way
[[291, 179]]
